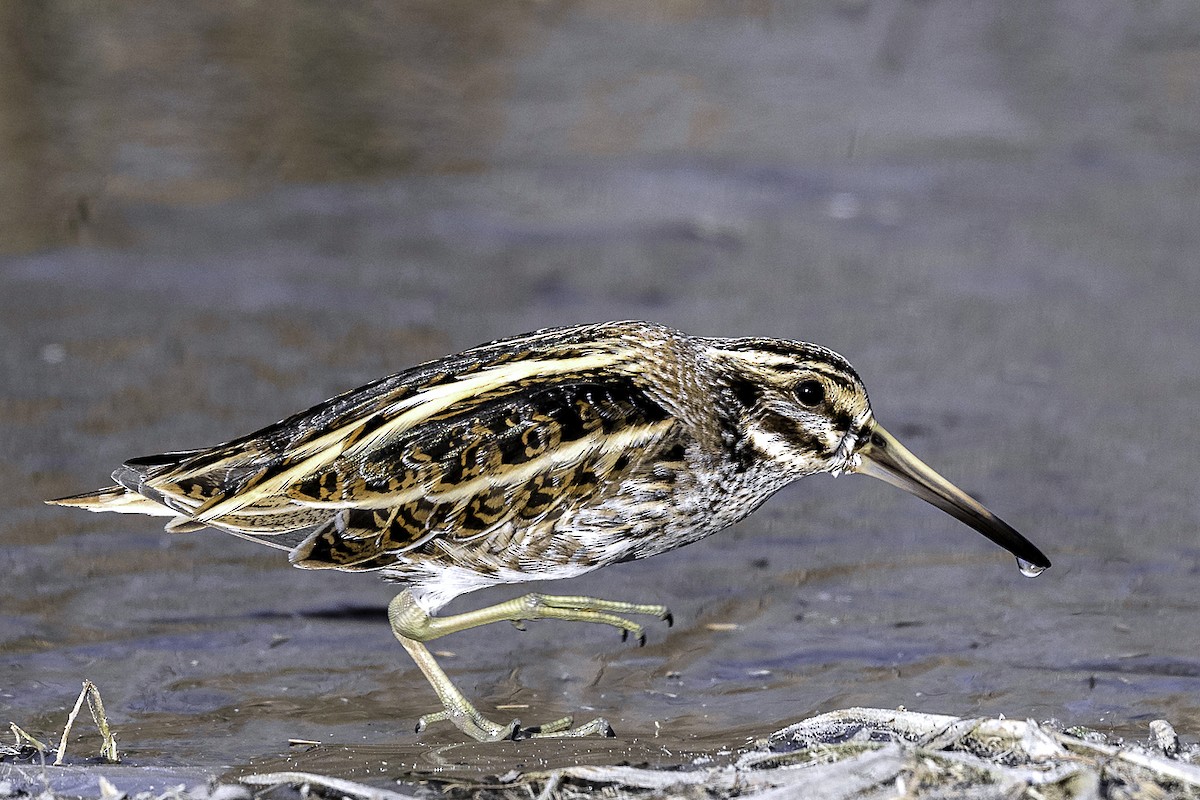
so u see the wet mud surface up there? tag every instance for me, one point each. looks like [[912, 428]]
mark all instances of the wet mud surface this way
[[999, 232]]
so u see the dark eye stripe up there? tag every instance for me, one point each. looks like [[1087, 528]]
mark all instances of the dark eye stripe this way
[[834, 376], [786, 427]]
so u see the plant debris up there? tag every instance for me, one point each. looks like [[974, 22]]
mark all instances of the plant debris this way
[[860, 753]]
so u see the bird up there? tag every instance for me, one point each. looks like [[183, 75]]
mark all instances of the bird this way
[[537, 457]]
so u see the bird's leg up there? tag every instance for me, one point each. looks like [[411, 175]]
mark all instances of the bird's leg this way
[[458, 709], [410, 618], [412, 625]]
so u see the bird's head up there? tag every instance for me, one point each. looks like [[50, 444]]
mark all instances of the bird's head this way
[[802, 409]]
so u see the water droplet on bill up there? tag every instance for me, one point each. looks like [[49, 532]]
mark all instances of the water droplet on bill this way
[[1028, 569]]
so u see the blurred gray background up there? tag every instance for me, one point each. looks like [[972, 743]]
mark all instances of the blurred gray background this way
[[215, 214]]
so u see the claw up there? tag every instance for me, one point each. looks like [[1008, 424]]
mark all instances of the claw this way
[[609, 733], [669, 618], [624, 635], [641, 640], [424, 720]]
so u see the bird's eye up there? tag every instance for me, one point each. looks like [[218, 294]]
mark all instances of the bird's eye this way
[[810, 393]]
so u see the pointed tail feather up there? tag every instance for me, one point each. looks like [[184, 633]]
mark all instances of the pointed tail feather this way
[[123, 501], [138, 491], [114, 498]]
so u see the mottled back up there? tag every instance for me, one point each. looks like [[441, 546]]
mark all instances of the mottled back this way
[[508, 435]]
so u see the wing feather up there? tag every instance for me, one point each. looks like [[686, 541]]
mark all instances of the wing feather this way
[[506, 465], [212, 483], [455, 446]]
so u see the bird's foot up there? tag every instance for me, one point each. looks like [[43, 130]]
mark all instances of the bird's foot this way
[[472, 723], [589, 609], [561, 729], [410, 621], [482, 729]]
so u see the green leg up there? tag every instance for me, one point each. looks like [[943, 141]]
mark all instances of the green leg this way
[[412, 626]]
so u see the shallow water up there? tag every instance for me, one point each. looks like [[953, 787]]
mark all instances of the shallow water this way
[[995, 220]]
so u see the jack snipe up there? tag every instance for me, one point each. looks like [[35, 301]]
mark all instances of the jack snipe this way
[[538, 457]]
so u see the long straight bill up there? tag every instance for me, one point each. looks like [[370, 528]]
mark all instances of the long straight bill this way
[[885, 458]]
